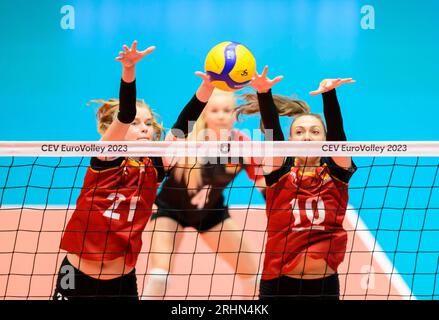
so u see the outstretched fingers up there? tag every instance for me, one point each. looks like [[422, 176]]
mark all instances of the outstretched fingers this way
[[315, 92], [147, 51], [329, 84], [347, 80], [134, 45], [203, 75], [265, 72], [277, 79], [120, 56]]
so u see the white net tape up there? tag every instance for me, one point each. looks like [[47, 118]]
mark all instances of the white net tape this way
[[220, 148]]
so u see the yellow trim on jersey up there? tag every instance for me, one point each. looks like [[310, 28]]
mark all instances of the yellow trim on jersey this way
[[310, 174], [132, 163], [333, 176], [142, 164]]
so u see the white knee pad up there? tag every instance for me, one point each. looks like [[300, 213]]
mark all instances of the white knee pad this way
[[156, 284]]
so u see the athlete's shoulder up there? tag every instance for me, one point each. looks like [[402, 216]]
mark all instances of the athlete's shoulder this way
[[276, 175], [342, 174]]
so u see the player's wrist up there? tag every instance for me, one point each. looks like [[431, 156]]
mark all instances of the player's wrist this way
[[263, 90], [204, 92], [128, 73]]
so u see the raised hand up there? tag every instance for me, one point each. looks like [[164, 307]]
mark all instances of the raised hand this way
[[329, 84], [206, 88], [206, 79], [263, 84], [130, 56]]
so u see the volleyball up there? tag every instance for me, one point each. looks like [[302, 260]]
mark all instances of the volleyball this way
[[230, 66]]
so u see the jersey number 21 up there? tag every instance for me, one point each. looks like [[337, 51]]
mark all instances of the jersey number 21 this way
[[116, 199]]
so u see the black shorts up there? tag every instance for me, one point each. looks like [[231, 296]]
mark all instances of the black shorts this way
[[287, 288], [72, 284], [200, 219]]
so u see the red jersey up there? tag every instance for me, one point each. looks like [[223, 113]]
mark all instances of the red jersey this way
[[112, 209], [305, 216]]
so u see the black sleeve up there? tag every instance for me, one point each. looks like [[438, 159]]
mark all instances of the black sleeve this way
[[275, 175], [190, 113], [158, 164], [127, 102], [338, 172], [333, 118], [269, 115], [99, 165]]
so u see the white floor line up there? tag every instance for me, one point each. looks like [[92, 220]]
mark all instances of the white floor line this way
[[372, 244]]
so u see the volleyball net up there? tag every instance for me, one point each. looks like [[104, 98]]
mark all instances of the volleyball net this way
[[392, 220]]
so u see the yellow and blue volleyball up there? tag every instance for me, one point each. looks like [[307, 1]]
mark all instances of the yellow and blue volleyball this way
[[230, 66]]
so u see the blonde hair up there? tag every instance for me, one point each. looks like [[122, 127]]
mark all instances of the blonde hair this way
[[285, 107], [200, 124], [107, 113], [189, 168]]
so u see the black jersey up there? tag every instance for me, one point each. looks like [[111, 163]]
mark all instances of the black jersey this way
[[215, 174]]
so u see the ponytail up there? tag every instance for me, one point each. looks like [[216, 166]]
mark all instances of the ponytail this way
[[285, 106]]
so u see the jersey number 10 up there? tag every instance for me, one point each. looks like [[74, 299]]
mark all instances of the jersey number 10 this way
[[315, 216]]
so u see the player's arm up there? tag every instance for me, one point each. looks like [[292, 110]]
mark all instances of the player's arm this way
[[269, 115], [127, 94], [333, 117], [189, 115]]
